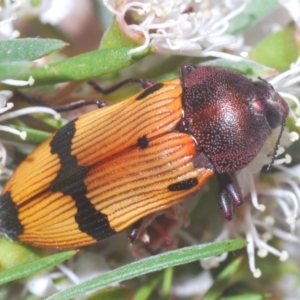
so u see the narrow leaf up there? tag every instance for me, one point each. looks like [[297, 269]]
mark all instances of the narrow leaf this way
[[86, 65], [28, 49], [151, 264], [144, 292], [14, 69], [34, 267], [167, 282], [223, 280], [112, 292], [33, 136], [249, 296]]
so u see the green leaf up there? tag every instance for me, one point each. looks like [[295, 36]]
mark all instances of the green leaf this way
[[167, 283], [114, 37], [86, 65], [112, 292], [223, 280], [13, 254], [248, 296], [14, 69], [246, 67], [151, 264], [34, 267], [28, 49], [255, 10], [278, 50], [33, 136], [144, 292]]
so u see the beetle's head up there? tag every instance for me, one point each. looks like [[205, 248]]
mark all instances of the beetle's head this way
[[229, 115]]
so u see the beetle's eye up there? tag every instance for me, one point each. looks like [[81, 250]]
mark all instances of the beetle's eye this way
[[274, 118]]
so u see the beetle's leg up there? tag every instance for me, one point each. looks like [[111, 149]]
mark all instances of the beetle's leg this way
[[148, 236], [79, 104], [226, 205], [230, 194], [157, 231], [28, 100], [144, 82], [60, 108], [138, 234]]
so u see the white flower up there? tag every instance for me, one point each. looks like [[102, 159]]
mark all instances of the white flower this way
[[195, 28], [49, 11], [7, 16], [54, 11], [6, 114], [277, 205], [5, 106], [278, 214], [188, 286]]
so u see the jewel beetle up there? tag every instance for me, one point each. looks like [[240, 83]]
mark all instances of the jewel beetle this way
[[113, 166]]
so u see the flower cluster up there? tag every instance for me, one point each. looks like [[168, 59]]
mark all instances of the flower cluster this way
[[51, 12], [194, 28]]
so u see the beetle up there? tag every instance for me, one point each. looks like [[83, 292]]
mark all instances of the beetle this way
[[111, 167]]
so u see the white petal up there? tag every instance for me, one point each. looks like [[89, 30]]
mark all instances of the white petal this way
[[54, 11]]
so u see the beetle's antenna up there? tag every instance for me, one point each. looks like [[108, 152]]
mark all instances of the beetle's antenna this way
[[276, 148]]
